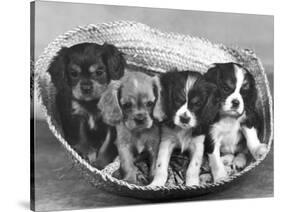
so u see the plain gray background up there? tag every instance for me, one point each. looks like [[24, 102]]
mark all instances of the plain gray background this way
[[247, 31]]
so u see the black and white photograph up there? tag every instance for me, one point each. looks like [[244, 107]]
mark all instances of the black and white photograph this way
[[139, 105]]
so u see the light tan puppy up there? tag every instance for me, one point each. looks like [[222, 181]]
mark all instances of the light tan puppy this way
[[128, 104]]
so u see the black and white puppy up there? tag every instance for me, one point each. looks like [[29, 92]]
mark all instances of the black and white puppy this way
[[237, 120], [81, 74], [189, 104]]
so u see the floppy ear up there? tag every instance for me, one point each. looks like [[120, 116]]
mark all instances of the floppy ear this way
[[57, 69], [158, 111], [114, 61], [109, 104], [251, 100], [213, 73], [211, 107]]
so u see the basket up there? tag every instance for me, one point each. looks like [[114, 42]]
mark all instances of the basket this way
[[151, 49]]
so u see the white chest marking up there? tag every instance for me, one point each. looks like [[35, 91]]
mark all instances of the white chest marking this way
[[184, 139], [140, 145], [227, 133], [77, 109], [145, 140], [91, 122]]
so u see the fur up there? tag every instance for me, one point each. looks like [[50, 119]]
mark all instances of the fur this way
[[129, 104], [189, 105], [81, 74], [237, 123]]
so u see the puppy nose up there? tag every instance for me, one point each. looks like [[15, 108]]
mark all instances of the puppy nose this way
[[184, 119], [235, 103], [86, 87], [140, 118]]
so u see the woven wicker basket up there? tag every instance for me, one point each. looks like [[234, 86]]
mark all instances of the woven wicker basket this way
[[159, 52]]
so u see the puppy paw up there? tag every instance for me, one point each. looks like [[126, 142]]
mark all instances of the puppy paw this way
[[260, 151], [220, 174], [86, 151], [99, 163], [229, 170], [239, 162], [205, 178], [151, 175], [192, 181], [131, 178], [158, 182], [92, 156], [227, 159]]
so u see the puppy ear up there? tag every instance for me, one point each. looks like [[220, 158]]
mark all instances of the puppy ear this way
[[211, 107], [213, 73], [57, 69], [158, 111], [114, 61], [251, 100], [109, 104]]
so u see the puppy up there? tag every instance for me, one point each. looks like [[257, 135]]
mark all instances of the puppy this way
[[81, 74], [189, 104], [128, 105], [237, 120]]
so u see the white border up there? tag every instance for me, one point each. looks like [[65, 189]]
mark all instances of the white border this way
[[15, 102], [237, 6]]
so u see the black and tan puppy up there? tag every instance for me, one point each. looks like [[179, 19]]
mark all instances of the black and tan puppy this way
[[128, 105], [237, 124], [81, 74]]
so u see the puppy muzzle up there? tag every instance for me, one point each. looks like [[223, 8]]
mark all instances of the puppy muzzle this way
[[234, 108], [139, 122], [86, 88], [184, 119], [140, 119]]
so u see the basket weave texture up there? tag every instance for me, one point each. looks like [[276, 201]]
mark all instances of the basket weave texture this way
[[160, 52]]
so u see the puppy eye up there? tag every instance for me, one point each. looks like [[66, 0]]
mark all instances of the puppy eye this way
[[99, 72], [196, 102], [246, 86], [244, 90], [179, 103], [226, 88], [127, 105], [149, 104], [74, 74]]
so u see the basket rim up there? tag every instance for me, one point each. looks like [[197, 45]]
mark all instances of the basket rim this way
[[106, 177]]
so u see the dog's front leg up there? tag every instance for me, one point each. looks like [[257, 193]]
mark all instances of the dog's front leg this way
[[197, 151], [216, 164], [153, 151], [107, 152], [127, 159], [162, 163], [83, 147], [257, 149]]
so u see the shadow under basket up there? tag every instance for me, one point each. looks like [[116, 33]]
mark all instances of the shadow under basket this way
[[158, 52]]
